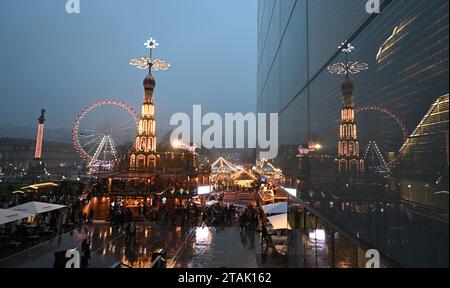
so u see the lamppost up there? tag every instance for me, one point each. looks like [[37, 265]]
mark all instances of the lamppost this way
[[303, 175], [304, 164]]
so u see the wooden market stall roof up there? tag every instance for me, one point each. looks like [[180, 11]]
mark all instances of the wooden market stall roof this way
[[221, 165], [127, 175], [244, 176], [40, 186]]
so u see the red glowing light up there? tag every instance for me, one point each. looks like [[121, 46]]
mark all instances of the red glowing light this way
[[39, 138]]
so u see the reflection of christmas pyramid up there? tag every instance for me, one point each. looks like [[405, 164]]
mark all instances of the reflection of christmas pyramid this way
[[374, 159]]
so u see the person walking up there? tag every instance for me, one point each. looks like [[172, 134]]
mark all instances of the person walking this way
[[203, 222], [85, 254], [132, 230], [242, 221], [156, 217], [127, 233], [91, 216], [128, 216], [84, 218], [264, 236], [144, 210], [182, 215], [80, 218]]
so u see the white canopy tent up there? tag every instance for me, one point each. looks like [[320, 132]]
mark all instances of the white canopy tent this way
[[276, 208], [33, 208], [280, 222], [8, 215], [211, 203], [18, 192]]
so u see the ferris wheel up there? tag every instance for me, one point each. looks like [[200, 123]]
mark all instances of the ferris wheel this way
[[386, 143], [103, 131]]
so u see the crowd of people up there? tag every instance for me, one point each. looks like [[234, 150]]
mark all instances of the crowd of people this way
[[219, 215], [76, 214], [249, 218], [119, 216], [16, 236]]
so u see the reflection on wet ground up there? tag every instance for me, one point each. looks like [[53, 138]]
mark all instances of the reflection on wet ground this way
[[198, 247], [313, 248], [138, 254], [107, 244], [224, 248], [42, 255], [407, 235]]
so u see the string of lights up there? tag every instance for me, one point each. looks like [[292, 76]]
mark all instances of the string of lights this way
[[148, 62], [78, 120]]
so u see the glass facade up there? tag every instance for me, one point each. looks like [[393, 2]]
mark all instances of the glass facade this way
[[399, 205]]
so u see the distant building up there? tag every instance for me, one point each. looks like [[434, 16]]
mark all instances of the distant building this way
[[18, 154], [426, 151], [423, 162]]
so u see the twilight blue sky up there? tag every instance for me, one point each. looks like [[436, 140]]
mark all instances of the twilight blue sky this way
[[63, 62]]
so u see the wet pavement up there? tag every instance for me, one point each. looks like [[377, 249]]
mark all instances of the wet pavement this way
[[138, 254], [199, 247], [42, 255], [214, 247], [108, 246]]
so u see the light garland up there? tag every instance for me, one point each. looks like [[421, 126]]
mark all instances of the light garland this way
[[76, 126]]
